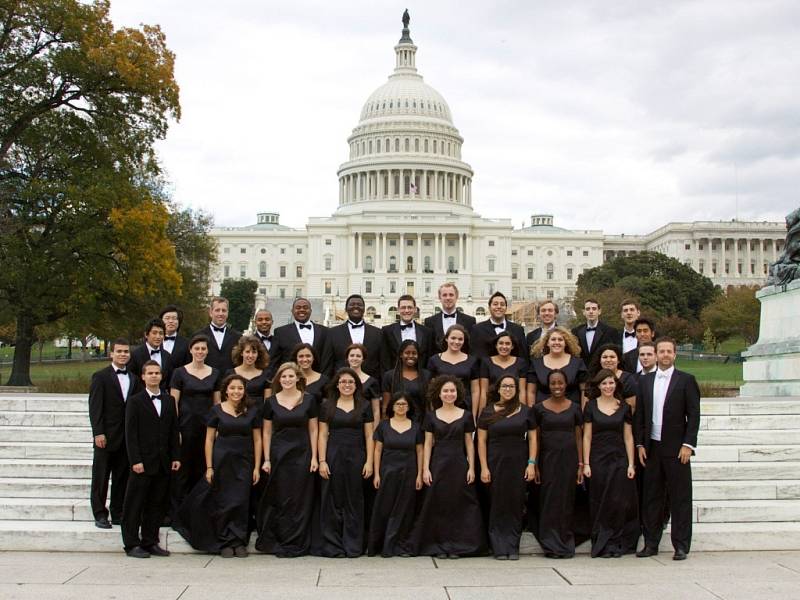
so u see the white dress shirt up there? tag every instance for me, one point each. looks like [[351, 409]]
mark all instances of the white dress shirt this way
[[409, 333], [157, 356], [124, 381], [628, 342], [448, 322], [219, 335], [356, 333], [156, 402], [590, 335], [660, 387], [168, 345], [499, 327], [306, 334]]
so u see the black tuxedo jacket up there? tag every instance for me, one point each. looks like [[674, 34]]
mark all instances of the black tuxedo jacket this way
[[333, 357], [220, 358], [630, 361], [286, 337], [107, 406], [604, 334], [151, 440], [140, 355], [180, 352], [481, 339], [681, 417], [391, 340], [434, 323]]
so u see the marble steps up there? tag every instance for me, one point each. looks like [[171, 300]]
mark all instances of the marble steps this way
[[750, 406], [42, 487], [744, 471], [57, 450], [45, 509], [745, 453], [44, 419], [46, 468], [26, 433], [738, 422], [787, 489], [708, 437], [45, 402], [743, 511]]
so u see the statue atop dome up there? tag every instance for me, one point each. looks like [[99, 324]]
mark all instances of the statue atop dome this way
[[406, 37]]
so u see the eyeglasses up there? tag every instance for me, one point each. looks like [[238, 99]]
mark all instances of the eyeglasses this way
[[396, 404], [508, 386]]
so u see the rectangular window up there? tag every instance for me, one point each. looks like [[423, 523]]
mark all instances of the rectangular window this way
[[283, 271], [530, 272], [569, 252], [392, 287], [242, 250], [586, 253], [427, 288], [243, 271], [409, 242], [282, 292], [491, 243], [328, 263], [393, 242], [451, 243], [299, 250], [298, 292], [569, 273], [530, 252], [299, 271], [327, 287], [514, 273], [491, 266], [687, 246], [328, 243], [262, 291], [513, 253], [226, 250], [283, 250], [226, 271], [367, 287], [426, 243], [550, 294]]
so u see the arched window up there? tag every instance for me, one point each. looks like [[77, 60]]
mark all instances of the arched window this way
[[368, 264], [397, 144], [370, 313], [426, 145], [480, 312], [434, 146], [406, 145], [416, 144], [392, 264], [410, 264], [378, 146], [262, 269], [549, 270]]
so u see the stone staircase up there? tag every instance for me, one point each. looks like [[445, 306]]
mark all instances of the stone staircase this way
[[746, 477]]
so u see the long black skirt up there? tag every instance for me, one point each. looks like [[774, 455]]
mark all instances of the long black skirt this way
[[507, 461], [558, 469], [395, 503]]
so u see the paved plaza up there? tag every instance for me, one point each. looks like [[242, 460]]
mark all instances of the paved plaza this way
[[705, 576]]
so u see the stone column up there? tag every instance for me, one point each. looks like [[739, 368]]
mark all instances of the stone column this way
[[424, 184], [359, 242], [352, 243], [385, 258], [774, 251], [468, 260], [736, 258], [460, 261], [419, 253], [401, 256], [708, 272]]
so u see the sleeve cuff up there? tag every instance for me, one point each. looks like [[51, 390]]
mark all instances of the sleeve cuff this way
[[692, 448]]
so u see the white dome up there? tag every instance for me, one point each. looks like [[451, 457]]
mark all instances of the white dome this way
[[406, 94]]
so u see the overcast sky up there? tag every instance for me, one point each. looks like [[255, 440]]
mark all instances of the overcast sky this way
[[613, 115]]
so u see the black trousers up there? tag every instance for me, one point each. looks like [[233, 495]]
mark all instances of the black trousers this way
[[145, 506], [664, 476], [105, 463]]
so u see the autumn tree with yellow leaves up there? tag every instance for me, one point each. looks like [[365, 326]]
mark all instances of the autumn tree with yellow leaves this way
[[83, 221]]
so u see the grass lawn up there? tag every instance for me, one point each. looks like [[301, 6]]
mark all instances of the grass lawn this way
[[712, 372], [71, 377]]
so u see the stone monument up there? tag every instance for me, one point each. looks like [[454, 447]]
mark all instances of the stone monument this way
[[772, 364]]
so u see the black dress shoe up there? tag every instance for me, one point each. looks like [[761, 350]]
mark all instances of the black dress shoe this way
[[646, 551], [156, 550], [102, 523], [680, 555], [138, 552], [116, 520]]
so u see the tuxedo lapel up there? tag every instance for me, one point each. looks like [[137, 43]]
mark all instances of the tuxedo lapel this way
[[398, 337], [673, 381]]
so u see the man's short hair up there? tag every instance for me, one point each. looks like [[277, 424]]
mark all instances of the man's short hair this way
[[120, 341], [667, 340], [220, 300], [449, 284], [407, 297], [153, 323], [498, 295], [555, 306]]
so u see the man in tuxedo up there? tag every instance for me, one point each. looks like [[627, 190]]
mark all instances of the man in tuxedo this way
[[263, 321], [354, 331], [450, 315], [109, 391], [483, 334], [174, 342], [594, 333], [302, 330], [153, 349], [222, 337], [665, 431], [647, 358], [151, 435], [630, 312], [645, 331], [406, 328], [548, 313]]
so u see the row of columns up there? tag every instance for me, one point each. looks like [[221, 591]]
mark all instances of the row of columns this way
[[758, 254], [380, 254], [392, 183]]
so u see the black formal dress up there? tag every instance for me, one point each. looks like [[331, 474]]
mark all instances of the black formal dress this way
[[318, 389], [254, 388], [630, 385], [468, 370], [558, 470], [194, 407], [612, 496], [664, 475], [575, 371], [603, 334], [152, 440], [107, 417], [507, 455], [415, 389], [392, 337], [494, 373], [220, 357], [287, 505], [216, 516], [395, 502], [340, 517], [449, 520], [483, 334], [338, 339], [439, 325]]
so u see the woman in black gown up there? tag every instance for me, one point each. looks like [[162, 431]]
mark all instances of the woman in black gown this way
[[408, 378], [304, 356], [214, 517], [557, 349], [504, 362], [608, 453], [398, 477], [251, 359], [449, 524], [560, 467], [355, 355], [195, 389], [345, 460], [289, 434], [609, 356], [456, 361], [507, 450]]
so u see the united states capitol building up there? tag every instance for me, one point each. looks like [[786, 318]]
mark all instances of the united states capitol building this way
[[405, 224]]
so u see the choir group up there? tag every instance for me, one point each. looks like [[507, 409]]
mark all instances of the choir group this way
[[447, 438]]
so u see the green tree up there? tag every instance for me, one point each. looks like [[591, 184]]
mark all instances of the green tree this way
[[241, 295], [663, 285], [735, 313], [82, 225]]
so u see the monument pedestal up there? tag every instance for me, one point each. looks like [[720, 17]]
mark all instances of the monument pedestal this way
[[772, 364]]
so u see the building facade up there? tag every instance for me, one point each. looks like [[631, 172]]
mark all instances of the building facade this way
[[405, 224]]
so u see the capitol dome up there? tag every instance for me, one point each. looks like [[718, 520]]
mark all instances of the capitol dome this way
[[405, 146]]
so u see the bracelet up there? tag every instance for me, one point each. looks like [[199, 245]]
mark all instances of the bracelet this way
[[580, 464], [531, 461], [209, 469]]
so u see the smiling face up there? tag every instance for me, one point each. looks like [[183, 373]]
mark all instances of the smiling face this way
[[219, 313], [407, 310], [665, 355], [346, 385], [609, 360], [355, 309], [644, 333], [556, 343], [455, 340], [288, 379], [558, 385], [199, 351], [448, 394], [355, 358], [410, 357], [607, 386], [497, 308], [301, 310], [235, 391], [547, 314], [305, 359], [507, 389], [504, 346], [120, 355], [263, 322], [171, 322], [155, 336], [249, 355], [400, 407], [448, 297]]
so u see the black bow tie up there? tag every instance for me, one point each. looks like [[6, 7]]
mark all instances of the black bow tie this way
[[501, 326], [170, 338], [158, 397], [265, 338], [446, 316], [630, 334], [304, 325], [121, 371], [354, 325], [588, 329], [218, 329], [408, 326], [156, 351]]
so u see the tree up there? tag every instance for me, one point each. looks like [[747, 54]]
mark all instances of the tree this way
[[737, 312], [680, 329], [241, 295], [663, 285], [82, 227]]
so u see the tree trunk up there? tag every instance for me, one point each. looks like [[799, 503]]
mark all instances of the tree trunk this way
[[69, 348], [21, 369]]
